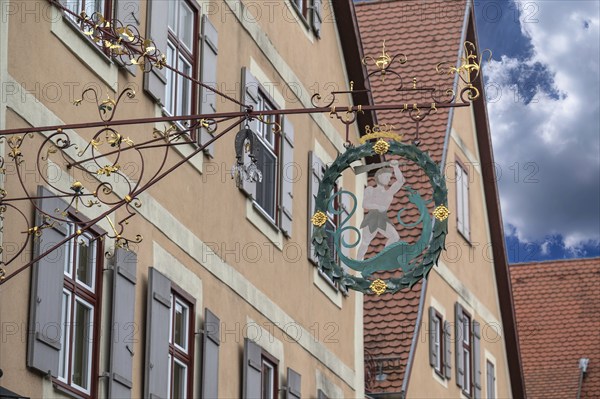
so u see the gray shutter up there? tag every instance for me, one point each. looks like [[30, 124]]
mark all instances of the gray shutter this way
[[321, 395], [155, 82], [458, 339], [128, 12], [120, 380], [210, 355], [447, 350], [316, 174], [47, 280], [294, 385], [476, 359], [252, 384], [432, 332], [317, 17], [249, 97], [491, 381], [208, 99], [287, 177], [157, 335]]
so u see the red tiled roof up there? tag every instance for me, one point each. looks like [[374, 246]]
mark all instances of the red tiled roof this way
[[427, 32], [557, 305]]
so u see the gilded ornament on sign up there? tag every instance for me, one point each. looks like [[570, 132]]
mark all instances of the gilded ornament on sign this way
[[381, 147], [378, 286], [441, 213], [319, 219], [385, 131]]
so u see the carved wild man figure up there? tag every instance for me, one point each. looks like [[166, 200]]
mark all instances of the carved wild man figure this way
[[376, 202]]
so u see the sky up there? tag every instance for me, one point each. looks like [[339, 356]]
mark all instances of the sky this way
[[543, 98]]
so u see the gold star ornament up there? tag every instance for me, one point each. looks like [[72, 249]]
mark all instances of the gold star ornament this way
[[441, 213], [319, 219], [378, 286]]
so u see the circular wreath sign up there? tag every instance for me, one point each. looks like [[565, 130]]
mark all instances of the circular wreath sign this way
[[414, 260]]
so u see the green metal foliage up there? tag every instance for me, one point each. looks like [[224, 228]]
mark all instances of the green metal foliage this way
[[431, 243]]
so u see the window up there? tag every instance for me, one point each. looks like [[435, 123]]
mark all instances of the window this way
[[80, 301], [491, 380], [436, 335], [260, 373], [468, 366], [267, 156], [462, 201], [302, 7], [180, 348], [181, 54], [274, 151], [269, 377], [89, 6]]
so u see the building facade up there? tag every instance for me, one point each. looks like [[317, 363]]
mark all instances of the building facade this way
[[221, 297], [453, 335]]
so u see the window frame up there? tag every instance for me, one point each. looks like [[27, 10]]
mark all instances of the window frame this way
[[176, 352], [191, 56], [465, 231], [273, 363], [274, 148], [467, 360], [440, 351], [79, 291], [303, 10]]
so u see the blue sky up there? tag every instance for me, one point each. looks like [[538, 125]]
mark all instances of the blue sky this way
[[543, 96]]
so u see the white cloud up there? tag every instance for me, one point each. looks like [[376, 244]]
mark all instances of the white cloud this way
[[549, 149]]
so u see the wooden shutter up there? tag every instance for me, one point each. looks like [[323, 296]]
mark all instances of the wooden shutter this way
[[47, 280], [432, 333], [458, 339], [316, 174], [476, 359], [294, 385], [447, 350], [128, 12], [317, 18], [491, 381], [287, 178], [249, 97], [120, 380], [208, 99], [252, 378], [465, 205], [157, 335], [210, 355], [155, 81]]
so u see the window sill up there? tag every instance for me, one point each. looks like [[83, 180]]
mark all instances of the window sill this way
[[64, 390], [464, 236], [439, 378], [327, 287], [264, 223], [84, 49], [302, 21]]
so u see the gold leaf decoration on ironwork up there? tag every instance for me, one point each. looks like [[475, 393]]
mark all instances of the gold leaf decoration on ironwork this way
[[319, 219], [378, 286], [381, 147], [115, 140], [469, 69], [2, 274], [441, 213], [108, 169]]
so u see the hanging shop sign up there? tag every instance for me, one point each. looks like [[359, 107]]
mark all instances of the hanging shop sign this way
[[405, 263]]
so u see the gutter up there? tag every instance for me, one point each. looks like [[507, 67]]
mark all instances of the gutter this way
[[413, 345]]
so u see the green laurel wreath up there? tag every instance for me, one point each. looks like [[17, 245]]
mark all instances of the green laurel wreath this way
[[436, 243]]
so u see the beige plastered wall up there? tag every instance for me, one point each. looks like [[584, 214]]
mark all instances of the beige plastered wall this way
[[195, 221]]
